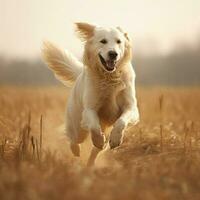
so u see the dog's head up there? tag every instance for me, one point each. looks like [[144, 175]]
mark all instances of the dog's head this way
[[105, 47]]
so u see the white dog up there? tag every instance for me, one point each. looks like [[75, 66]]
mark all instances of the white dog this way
[[103, 93]]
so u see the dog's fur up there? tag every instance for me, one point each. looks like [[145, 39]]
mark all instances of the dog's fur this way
[[103, 93]]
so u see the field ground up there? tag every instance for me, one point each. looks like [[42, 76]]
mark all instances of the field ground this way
[[159, 159]]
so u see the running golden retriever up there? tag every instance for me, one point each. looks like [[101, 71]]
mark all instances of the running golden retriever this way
[[103, 92]]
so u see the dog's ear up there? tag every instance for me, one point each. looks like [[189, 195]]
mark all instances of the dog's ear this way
[[125, 34], [128, 49], [85, 31]]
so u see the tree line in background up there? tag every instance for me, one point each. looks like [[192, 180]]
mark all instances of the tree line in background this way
[[180, 67]]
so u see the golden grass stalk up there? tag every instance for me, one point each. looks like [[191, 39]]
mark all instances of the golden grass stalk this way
[[41, 135], [161, 101]]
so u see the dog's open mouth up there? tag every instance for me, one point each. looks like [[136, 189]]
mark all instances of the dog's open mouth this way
[[109, 64]]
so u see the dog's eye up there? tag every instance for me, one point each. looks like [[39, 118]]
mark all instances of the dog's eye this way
[[118, 41], [104, 41]]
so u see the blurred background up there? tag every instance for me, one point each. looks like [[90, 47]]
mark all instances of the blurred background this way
[[165, 35]]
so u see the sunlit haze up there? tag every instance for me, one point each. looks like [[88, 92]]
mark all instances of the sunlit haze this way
[[156, 26]]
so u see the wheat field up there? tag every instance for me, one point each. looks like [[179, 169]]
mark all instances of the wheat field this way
[[159, 158]]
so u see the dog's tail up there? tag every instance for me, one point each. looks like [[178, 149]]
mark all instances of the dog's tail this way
[[65, 66]]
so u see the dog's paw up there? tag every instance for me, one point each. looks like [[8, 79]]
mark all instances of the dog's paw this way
[[98, 139], [116, 139]]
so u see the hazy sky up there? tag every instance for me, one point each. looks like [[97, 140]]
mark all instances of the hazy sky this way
[[154, 25]]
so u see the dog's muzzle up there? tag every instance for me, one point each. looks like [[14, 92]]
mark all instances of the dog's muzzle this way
[[109, 64]]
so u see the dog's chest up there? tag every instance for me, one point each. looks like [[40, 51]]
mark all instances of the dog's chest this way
[[108, 108]]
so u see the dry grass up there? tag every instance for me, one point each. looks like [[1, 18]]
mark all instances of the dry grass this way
[[159, 158]]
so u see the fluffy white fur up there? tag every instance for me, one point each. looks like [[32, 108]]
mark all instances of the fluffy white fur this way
[[103, 94]]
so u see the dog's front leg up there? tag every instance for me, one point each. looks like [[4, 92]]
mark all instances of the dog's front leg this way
[[130, 114], [90, 121], [117, 133]]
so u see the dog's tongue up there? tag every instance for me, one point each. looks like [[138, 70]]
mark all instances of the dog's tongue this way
[[110, 64]]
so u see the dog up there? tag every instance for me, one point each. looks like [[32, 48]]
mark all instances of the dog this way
[[103, 87]]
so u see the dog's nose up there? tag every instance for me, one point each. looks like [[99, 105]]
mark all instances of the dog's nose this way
[[112, 55]]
